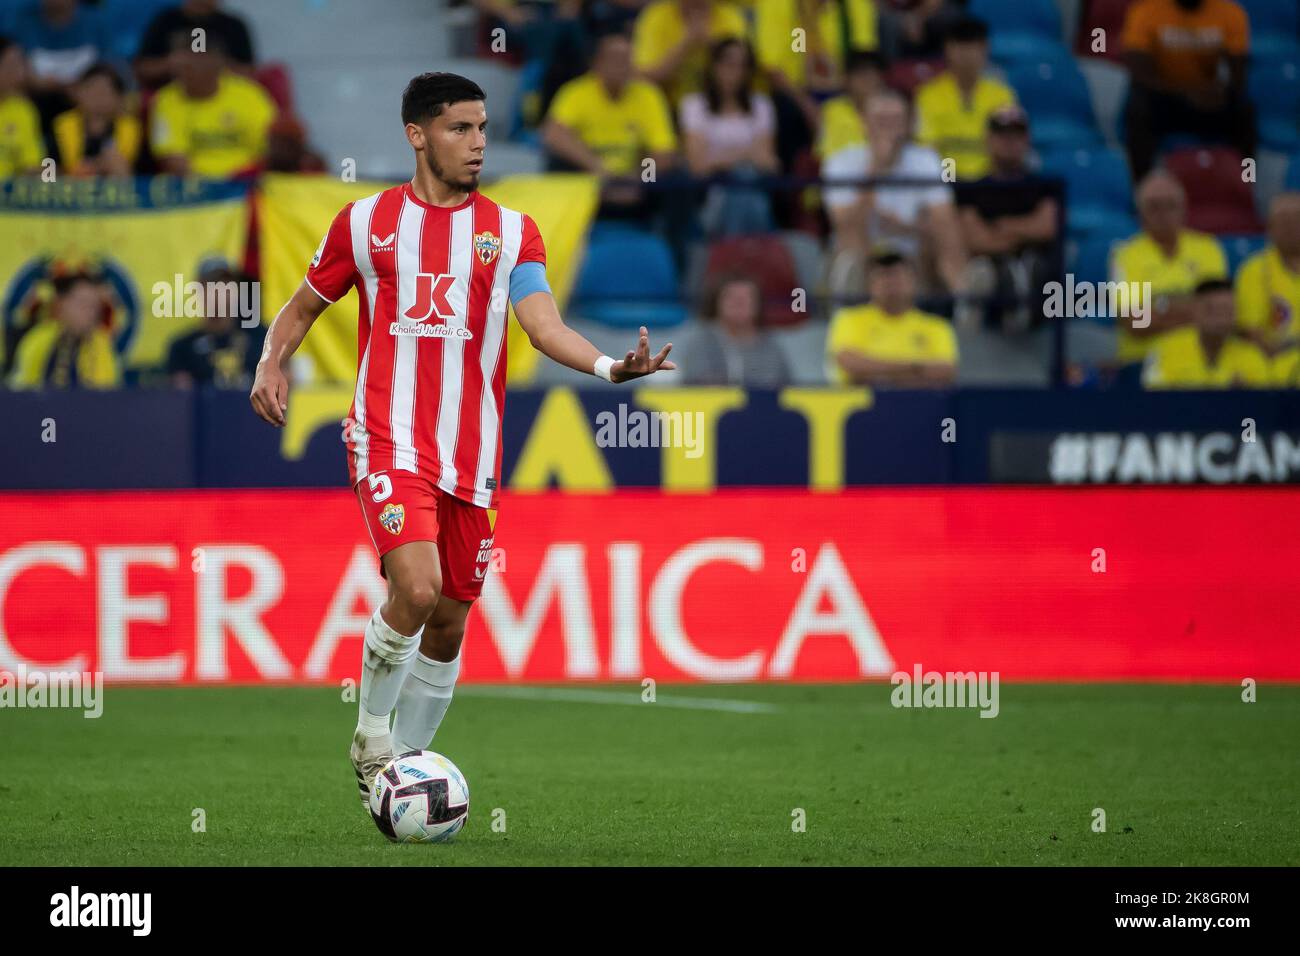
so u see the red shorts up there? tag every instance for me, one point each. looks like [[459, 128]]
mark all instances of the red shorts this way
[[401, 507]]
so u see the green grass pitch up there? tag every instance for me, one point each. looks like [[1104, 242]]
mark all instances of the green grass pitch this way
[[1185, 775]]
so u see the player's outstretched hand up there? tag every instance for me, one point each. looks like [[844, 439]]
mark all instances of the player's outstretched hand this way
[[270, 395], [641, 362]]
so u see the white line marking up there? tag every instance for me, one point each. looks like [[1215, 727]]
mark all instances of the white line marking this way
[[632, 697]]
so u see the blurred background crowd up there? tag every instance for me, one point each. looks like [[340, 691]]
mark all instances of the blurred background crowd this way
[[897, 193]]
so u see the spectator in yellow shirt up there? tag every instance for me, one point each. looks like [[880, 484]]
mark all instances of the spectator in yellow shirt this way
[[814, 61], [1209, 353], [671, 40], [1268, 283], [889, 341], [806, 67], [864, 76], [1173, 258], [1286, 368], [607, 122], [209, 121], [72, 348], [99, 137], [21, 148], [953, 109]]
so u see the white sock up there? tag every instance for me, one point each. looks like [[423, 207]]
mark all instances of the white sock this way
[[424, 700], [385, 660]]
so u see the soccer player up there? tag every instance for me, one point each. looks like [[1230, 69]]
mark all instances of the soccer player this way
[[433, 263]]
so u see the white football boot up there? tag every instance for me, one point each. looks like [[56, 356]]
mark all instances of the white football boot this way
[[369, 755]]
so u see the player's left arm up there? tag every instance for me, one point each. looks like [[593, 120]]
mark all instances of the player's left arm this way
[[540, 318]]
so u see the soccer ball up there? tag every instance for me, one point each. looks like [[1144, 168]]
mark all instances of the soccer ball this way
[[420, 797]]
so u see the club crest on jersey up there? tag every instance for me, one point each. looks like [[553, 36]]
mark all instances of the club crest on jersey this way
[[392, 518], [487, 246]]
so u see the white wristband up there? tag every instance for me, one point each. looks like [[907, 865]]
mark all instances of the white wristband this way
[[602, 367]]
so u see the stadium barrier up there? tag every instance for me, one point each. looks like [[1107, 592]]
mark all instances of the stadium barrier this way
[[768, 585], [600, 439]]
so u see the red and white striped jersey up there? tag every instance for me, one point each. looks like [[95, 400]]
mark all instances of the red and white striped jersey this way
[[434, 283]]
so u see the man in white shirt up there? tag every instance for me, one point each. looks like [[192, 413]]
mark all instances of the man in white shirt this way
[[920, 219]]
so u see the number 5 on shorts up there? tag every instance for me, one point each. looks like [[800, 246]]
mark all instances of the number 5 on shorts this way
[[383, 484]]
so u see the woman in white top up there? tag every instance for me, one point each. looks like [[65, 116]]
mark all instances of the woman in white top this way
[[730, 129]]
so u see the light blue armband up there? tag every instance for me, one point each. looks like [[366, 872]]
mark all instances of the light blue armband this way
[[525, 279]]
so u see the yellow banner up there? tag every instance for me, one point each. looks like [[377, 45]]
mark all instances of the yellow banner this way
[[145, 237], [295, 212]]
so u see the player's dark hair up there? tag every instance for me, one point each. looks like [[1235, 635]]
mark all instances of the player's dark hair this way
[[105, 70], [1213, 285], [428, 94], [5, 44], [967, 30], [716, 52]]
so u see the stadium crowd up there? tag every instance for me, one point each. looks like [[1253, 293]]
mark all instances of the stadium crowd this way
[[969, 165]]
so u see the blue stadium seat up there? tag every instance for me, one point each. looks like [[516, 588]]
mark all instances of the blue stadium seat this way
[[1271, 17], [1089, 258], [1293, 172], [628, 279], [1240, 248], [1019, 29], [8, 14], [530, 79], [1099, 195], [1275, 46], [1274, 29], [127, 20], [1275, 89], [1055, 94]]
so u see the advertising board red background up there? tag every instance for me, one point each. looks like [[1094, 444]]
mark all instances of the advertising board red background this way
[[1050, 584]]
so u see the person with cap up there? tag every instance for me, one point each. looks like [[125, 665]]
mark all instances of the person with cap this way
[[224, 350], [888, 341], [1010, 220]]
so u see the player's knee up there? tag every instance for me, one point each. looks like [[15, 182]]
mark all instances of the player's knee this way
[[419, 597]]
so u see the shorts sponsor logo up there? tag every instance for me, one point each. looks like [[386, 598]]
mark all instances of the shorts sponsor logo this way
[[392, 518], [482, 558]]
